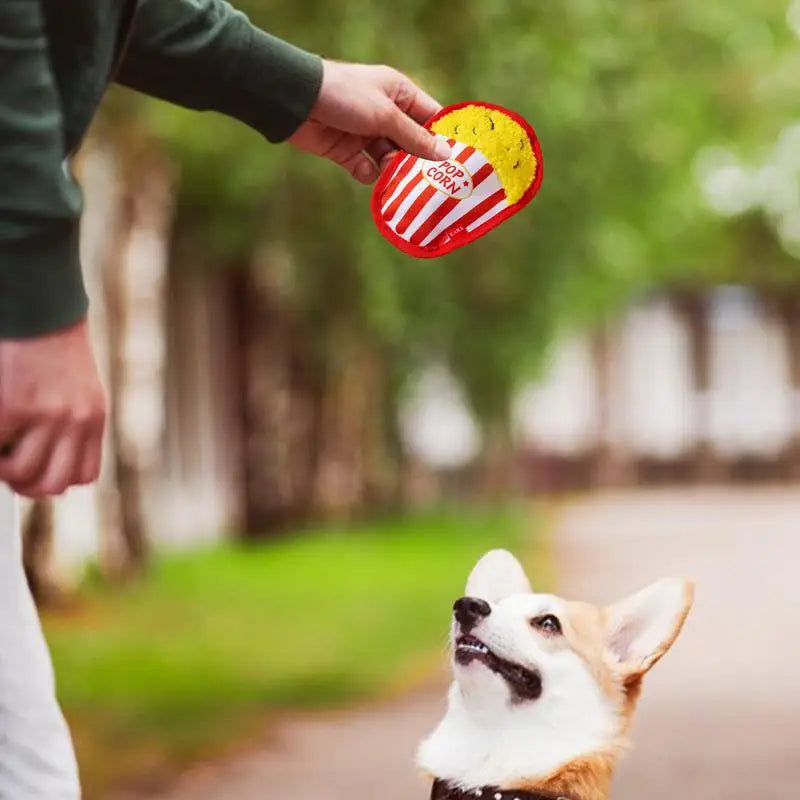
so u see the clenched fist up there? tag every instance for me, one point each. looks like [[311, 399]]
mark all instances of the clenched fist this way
[[52, 412]]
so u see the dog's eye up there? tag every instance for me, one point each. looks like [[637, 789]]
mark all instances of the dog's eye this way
[[547, 623]]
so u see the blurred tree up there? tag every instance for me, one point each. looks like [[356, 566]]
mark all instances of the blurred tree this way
[[143, 203], [37, 543], [623, 100]]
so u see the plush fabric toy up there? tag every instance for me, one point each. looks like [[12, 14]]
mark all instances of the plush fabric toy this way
[[428, 208]]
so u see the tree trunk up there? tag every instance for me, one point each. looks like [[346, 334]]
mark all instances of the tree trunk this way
[[382, 469], [279, 401], [317, 439], [133, 279], [37, 546], [133, 553], [694, 310], [347, 405], [613, 465], [787, 307], [497, 474]]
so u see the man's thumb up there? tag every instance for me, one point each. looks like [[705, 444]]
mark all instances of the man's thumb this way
[[417, 140]]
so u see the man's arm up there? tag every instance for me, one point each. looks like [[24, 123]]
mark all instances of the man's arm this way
[[52, 407], [203, 54], [40, 278], [199, 53]]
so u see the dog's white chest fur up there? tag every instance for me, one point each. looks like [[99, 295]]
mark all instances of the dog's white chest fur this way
[[500, 743]]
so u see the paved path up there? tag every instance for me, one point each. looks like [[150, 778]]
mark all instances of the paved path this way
[[356, 755], [720, 717]]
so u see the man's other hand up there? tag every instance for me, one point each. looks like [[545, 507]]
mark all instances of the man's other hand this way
[[363, 115], [52, 412]]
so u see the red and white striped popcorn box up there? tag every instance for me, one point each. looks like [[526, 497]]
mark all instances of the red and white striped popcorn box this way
[[428, 208]]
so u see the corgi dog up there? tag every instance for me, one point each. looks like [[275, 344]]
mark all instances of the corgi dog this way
[[544, 689]]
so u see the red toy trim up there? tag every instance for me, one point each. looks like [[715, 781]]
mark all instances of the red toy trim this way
[[462, 237]]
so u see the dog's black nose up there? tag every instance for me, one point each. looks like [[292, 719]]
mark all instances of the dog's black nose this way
[[470, 611]]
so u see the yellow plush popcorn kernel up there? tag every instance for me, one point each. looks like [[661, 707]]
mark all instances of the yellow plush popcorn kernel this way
[[502, 140]]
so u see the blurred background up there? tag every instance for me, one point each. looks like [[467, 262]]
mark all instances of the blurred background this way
[[314, 436]]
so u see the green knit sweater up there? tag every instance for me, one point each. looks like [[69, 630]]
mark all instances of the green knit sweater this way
[[56, 59]]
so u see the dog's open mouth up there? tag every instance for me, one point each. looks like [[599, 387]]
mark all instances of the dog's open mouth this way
[[468, 648], [525, 684]]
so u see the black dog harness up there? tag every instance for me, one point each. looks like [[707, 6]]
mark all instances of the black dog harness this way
[[445, 791]]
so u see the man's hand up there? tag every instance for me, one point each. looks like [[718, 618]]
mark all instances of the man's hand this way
[[52, 412], [363, 115]]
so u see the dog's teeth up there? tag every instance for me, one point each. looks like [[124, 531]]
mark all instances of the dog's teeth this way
[[474, 647]]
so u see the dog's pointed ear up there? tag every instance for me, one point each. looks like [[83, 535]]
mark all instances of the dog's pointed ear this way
[[642, 627], [497, 575]]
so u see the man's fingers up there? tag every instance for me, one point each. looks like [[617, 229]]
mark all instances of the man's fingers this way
[[423, 106], [90, 457], [413, 138], [362, 168], [51, 403], [408, 97], [8, 440], [419, 105], [61, 468], [348, 150], [47, 461], [381, 151], [28, 458]]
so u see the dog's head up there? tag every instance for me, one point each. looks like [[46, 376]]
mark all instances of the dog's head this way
[[514, 648], [550, 679]]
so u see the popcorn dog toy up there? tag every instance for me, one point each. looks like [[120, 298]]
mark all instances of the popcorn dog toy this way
[[428, 208]]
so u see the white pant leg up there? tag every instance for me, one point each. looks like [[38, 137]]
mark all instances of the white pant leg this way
[[37, 761]]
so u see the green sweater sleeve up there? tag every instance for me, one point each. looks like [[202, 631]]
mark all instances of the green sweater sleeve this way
[[40, 279], [204, 54]]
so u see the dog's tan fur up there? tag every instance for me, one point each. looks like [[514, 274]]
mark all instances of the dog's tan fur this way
[[585, 627], [583, 779]]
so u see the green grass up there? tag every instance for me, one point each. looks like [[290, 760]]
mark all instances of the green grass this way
[[191, 659]]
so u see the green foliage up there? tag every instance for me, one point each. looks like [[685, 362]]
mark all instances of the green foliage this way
[[623, 98], [191, 658]]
